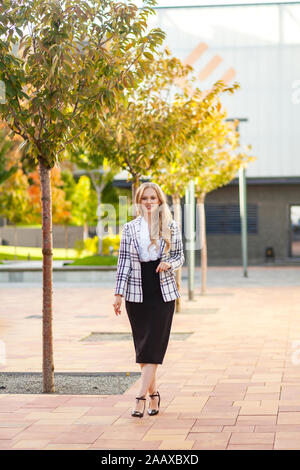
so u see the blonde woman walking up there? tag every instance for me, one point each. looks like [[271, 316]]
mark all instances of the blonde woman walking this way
[[150, 252]]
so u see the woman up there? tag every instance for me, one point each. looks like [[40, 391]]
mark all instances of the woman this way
[[150, 251]]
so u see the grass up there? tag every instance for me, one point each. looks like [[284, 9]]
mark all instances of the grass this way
[[35, 226], [26, 226], [96, 260], [8, 253]]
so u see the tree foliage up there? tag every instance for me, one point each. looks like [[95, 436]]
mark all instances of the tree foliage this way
[[8, 155], [64, 64], [61, 206], [136, 135]]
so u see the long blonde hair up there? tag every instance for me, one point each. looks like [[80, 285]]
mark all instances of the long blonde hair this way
[[162, 217]]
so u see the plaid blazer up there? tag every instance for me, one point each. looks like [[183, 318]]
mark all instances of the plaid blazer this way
[[129, 277]]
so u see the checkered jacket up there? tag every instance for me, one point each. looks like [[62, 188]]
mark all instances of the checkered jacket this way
[[129, 278]]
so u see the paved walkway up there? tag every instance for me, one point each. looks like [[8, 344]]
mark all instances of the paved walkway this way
[[233, 384]]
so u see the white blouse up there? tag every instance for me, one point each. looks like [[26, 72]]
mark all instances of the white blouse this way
[[146, 254]]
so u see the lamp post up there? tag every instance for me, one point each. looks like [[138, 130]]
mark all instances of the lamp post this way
[[99, 227], [189, 214], [243, 215], [243, 207]]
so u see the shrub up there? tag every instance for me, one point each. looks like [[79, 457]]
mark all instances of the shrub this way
[[91, 245], [113, 241], [79, 246]]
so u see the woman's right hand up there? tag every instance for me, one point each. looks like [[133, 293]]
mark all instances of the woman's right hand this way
[[117, 304]]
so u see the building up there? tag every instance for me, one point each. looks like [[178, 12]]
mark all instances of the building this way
[[258, 46]]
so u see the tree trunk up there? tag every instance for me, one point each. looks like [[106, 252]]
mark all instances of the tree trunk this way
[[15, 240], [177, 217], [85, 231], [66, 239], [47, 245], [203, 245], [99, 187], [4, 222], [100, 226], [134, 187]]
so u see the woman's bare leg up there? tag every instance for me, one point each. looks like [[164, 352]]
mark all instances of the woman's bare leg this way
[[152, 389], [148, 372], [152, 385]]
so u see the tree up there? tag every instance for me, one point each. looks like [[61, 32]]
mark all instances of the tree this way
[[66, 218], [15, 201], [182, 157], [96, 166], [74, 59], [61, 205], [9, 153], [134, 137], [84, 202], [211, 156], [8, 164], [221, 160]]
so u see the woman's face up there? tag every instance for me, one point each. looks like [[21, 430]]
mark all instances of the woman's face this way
[[149, 201]]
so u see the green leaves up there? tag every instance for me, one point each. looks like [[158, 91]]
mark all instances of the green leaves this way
[[78, 59], [19, 31], [148, 55]]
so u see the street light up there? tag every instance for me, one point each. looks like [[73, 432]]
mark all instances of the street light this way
[[189, 214], [243, 206]]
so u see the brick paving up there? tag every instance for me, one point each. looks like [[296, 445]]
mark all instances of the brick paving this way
[[233, 384]]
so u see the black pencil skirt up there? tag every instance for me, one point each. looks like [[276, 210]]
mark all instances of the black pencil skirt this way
[[151, 319]]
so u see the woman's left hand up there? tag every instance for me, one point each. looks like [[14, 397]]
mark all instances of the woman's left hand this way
[[163, 266]]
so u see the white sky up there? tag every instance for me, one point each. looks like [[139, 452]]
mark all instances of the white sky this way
[[167, 3], [267, 25]]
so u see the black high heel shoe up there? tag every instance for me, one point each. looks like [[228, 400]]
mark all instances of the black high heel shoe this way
[[139, 414], [154, 412]]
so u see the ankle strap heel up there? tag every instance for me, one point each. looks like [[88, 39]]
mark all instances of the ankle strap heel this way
[[139, 414], [154, 412]]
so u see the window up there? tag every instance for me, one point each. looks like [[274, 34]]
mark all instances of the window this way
[[225, 218]]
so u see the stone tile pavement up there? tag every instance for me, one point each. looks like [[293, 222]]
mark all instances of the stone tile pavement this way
[[233, 384]]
